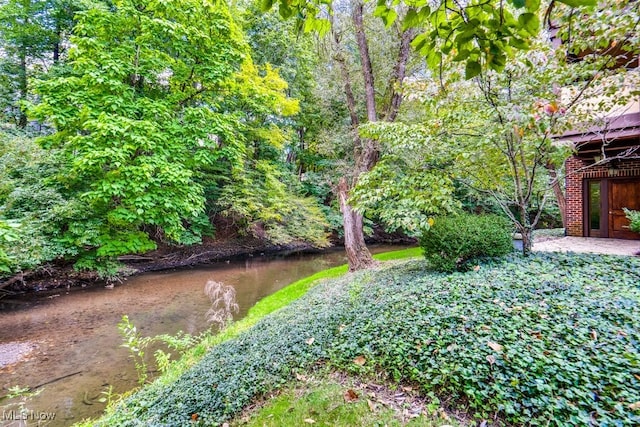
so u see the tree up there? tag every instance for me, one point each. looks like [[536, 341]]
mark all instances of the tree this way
[[480, 33], [32, 33], [265, 198], [499, 128], [26, 39], [152, 111], [370, 94], [411, 183]]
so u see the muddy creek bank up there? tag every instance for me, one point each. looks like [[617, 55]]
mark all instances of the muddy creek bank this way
[[69, 338]]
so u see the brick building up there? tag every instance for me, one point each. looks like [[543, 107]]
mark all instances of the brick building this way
[[603, 177]]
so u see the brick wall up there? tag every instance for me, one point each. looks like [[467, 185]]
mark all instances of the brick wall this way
[[575, 176], [573, 185]]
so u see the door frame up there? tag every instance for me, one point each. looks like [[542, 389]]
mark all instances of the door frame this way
[[605, 205]]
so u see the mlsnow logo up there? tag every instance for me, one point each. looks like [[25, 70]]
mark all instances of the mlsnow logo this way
[[25, 415]]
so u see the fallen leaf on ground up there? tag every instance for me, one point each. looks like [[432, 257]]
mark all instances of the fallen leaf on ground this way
[[310, 421], [301, 377], [491, 359], [495, 346], [350, 395], [634, 406], [310, 340], [443, 414], [360, 360]]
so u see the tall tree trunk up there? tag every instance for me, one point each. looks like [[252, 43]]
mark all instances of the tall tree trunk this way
[[399, 73], [366, 151], [56, 44], [22, 82], [557, 191], [358, 255], [525, 228], [365, 62], [527, 240]]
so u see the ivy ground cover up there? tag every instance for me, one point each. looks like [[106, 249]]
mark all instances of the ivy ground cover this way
[[547, 340]]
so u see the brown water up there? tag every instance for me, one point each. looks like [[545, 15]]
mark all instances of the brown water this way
[[76, 345]]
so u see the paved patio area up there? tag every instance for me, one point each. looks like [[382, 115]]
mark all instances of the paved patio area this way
[[592, 245]]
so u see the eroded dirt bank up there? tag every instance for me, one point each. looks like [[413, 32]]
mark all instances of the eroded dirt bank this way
[[62, 275]]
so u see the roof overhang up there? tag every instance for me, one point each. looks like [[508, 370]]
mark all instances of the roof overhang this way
[[614, 136]]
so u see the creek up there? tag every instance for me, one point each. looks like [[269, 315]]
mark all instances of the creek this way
[[70, 337]]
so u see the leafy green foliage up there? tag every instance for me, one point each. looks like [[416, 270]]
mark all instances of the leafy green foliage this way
[[452, 242], [8, 236], [544, 340], [270, 203], [401, 199], [156, 121], [35, 208], [136, 344], [128, 116], [27, 32], [409, 185], [481, 34], [634, 220]]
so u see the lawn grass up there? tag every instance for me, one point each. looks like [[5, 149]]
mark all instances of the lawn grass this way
[[401, 254], [341, 402]]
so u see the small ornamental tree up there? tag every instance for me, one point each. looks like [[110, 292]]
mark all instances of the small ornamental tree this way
[[496, 133]]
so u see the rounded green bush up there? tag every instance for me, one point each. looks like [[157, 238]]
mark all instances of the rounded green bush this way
[[453, 241]]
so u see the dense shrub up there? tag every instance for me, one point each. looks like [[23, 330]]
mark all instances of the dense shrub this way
[[546, 340], [453, 241]]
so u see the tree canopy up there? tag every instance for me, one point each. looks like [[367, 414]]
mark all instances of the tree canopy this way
[[126, 125]]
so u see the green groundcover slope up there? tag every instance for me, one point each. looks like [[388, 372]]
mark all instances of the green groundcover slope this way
[[546, 340]]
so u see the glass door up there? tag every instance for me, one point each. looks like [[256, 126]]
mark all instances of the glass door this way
[[595, 217]]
